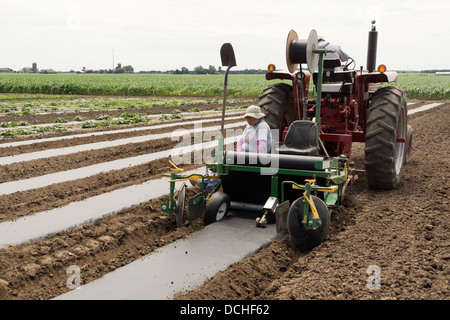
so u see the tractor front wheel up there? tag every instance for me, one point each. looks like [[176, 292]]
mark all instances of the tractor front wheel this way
[[386, 135], [307, 239]]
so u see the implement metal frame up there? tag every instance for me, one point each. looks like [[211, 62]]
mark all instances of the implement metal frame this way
[[334, 170]]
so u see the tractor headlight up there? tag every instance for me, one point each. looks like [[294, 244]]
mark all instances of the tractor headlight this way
[[271, 67], [381, 68]]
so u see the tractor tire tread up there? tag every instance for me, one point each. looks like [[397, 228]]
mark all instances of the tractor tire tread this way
[[274, 103], [381, 133]]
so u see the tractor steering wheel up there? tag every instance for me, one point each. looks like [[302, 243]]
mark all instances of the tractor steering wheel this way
[[349, 62]]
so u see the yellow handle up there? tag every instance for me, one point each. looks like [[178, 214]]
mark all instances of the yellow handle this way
[[191, 178], [325, 189], [176, 168], [313, 207]]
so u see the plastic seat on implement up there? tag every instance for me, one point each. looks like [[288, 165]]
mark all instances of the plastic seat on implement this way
[[301, 139]]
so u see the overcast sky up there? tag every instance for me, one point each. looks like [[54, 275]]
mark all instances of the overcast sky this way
[[170, 34]]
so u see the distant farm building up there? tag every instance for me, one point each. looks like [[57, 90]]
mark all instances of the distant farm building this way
[[47, 71], [33, 69], [444, 73], [6, 70]]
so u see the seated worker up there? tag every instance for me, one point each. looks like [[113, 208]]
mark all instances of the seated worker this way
[[338, 54], [256, 136]]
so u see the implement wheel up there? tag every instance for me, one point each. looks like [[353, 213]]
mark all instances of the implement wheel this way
[[217, 208], [386, 134], [307, 239], [180, 206]]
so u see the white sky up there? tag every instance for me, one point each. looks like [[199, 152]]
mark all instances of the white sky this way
[[170, 34]]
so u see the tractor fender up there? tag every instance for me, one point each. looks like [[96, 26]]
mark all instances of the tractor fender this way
[[284, 75], [376, 77]]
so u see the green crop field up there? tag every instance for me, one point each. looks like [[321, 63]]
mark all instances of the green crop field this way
[[425, 86], [132, 85], [417, 86]]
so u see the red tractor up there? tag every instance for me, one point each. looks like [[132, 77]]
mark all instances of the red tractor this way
[[355, 107]]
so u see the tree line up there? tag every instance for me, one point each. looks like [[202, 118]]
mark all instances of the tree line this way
[[210, 70], [197, 70], [424, 71]]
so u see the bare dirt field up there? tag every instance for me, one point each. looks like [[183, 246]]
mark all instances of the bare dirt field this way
[[402, 233]]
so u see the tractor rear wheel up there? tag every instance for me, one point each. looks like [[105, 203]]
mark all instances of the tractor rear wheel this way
[[307, 239], [386, 134], [217, 208], [275, 103], [409, 139]]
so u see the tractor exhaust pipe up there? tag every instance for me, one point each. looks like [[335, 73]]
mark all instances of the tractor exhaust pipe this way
[[372, 48]]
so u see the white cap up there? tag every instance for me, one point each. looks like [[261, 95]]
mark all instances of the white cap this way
[[254, 112]]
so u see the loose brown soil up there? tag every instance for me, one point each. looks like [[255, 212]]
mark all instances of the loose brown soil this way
[[404, 232]]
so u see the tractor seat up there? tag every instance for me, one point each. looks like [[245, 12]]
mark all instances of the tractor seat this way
[[331, 63], [333, 73], [335, 81], [301, 139]]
